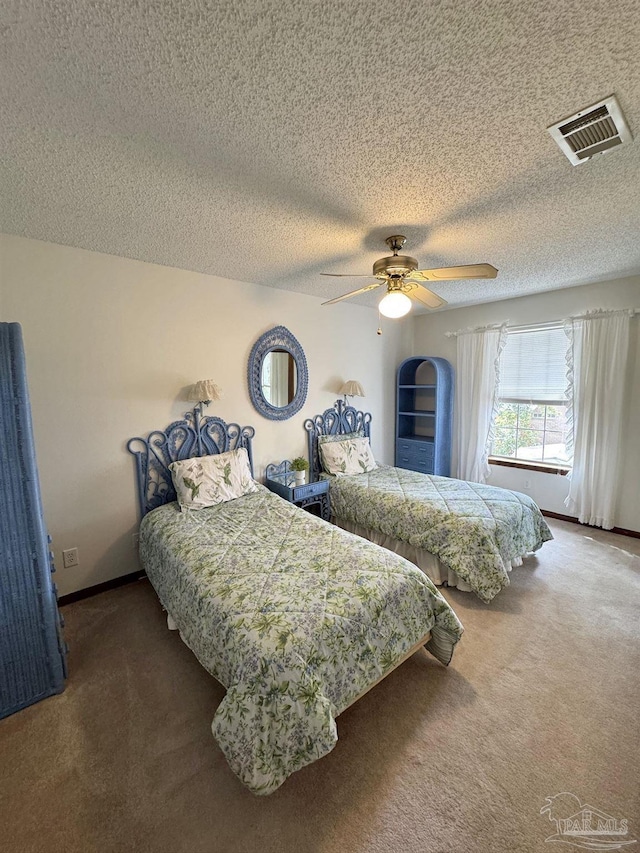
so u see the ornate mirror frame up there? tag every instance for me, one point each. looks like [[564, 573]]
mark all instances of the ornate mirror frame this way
[[277, 338]]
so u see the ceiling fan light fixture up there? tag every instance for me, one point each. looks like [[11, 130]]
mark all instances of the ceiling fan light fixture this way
[[394, 305]]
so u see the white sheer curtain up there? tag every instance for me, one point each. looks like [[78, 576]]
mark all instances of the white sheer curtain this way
[[280, 378], [597, 361], [476, 394]]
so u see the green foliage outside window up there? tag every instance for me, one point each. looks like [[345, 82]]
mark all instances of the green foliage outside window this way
[[530, 431]]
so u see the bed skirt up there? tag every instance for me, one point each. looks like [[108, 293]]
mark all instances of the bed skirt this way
[[425, 560]]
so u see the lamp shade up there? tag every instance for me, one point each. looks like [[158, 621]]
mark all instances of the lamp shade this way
[[395, 304], [352, 388], [204, 391]]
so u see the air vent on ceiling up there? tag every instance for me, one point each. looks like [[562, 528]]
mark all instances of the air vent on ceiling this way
[[592, 131]]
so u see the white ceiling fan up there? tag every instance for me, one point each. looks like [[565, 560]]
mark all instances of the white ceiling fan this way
[[403, 279]]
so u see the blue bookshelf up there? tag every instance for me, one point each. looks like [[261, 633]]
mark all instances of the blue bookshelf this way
[[424, 415]]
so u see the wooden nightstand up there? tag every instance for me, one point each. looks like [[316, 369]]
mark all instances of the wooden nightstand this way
[[281, 480]]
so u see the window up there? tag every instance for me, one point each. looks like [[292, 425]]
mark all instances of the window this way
[[531, 422]]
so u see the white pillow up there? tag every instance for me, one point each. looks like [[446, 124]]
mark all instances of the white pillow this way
[[207, 480], [351, 456]]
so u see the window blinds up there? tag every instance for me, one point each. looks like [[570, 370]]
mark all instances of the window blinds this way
[[533, 366]]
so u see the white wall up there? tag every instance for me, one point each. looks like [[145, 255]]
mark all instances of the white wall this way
[[550, 490], [110, 343]]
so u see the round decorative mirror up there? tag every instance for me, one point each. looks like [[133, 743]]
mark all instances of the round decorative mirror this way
[[278, 376]]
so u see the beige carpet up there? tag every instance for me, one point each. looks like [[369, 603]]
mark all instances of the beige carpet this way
[[542, 697]]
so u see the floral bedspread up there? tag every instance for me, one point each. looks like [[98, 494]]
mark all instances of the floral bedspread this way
[[294, 616], [474, 529]]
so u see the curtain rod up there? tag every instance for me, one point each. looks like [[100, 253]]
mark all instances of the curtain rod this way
[[551, 324], [493, 327], [559, 324], [603, 312]]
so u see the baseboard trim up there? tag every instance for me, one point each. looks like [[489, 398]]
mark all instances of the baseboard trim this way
[[90, 591], [621, 530]]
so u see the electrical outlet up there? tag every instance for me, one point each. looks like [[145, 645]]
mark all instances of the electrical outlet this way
[[527, 484], [135, 539], [70, 558]]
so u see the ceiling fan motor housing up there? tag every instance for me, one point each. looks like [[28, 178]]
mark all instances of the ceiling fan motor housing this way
[[394, 265]]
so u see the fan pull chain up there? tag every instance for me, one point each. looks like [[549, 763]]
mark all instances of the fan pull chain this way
[[379, 332]]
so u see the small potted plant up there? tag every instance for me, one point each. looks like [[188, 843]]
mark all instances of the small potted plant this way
[[299, 465]]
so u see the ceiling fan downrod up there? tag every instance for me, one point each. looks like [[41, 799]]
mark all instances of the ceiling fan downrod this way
[[396, 242], [395, 266]]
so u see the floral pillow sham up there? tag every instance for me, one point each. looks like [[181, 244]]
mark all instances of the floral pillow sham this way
[[323, 439], [350, 456], [207, 480]]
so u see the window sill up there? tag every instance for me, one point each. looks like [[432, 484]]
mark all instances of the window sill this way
[[543, 467]]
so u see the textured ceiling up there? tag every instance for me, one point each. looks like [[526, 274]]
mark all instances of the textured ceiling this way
[[270, 140]]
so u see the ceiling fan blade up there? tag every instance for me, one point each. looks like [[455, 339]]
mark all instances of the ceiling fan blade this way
[[354, 293], [454, 273], [426, 296], [347, 275]]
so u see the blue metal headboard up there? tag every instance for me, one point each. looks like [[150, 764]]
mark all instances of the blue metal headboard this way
[[194, 436], [337, 421]]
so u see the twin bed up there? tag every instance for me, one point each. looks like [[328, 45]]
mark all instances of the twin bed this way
[[294, 616], [464, 534]]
